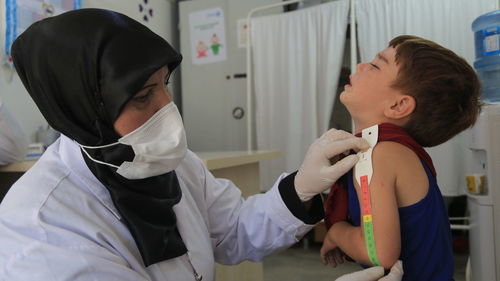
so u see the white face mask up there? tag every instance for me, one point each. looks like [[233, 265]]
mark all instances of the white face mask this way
[[159, 145]]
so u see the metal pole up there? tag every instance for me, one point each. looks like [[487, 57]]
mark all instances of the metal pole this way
[[354, 44]]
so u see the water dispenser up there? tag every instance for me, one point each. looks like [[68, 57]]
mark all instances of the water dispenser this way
[[486, 30]]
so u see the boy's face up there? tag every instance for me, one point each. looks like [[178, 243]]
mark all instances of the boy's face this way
[[370, 92]]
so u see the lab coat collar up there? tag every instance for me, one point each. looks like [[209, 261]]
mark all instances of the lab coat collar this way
[[72, 157]]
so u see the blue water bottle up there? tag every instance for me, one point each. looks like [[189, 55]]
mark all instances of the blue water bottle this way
[[486, 30]]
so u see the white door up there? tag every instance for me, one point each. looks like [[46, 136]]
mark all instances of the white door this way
[[214, 94]]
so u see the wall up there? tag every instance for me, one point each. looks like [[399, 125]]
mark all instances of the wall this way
[[12, 92], [16, 98]]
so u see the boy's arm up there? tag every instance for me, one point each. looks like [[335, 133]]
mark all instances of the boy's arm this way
[[385, 160]]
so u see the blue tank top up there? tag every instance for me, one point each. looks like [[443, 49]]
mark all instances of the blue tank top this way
[[426, 249]]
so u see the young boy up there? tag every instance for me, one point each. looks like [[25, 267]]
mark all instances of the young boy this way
[[424, 95]]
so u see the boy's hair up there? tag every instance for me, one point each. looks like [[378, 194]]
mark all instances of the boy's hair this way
[[445, 87]]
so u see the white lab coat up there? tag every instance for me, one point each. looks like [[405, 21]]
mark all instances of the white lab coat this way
[[58, 222], [13, 143]]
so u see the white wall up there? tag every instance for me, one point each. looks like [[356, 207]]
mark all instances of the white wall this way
[[17, 99], [12, 91]]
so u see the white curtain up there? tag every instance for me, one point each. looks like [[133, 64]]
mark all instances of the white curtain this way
[[448, 23], [297, 58]]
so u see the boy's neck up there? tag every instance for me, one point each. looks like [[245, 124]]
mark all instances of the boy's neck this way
[[360, 126]]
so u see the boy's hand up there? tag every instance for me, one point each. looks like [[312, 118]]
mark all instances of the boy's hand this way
[[317, 173], [333, 257], [330, 253]]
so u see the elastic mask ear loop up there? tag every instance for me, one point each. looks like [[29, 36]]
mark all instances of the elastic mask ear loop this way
[[97, 147]]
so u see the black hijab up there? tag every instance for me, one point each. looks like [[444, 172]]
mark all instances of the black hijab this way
[[81, 68]]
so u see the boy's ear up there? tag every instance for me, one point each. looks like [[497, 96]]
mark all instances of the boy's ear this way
[[401, 107]]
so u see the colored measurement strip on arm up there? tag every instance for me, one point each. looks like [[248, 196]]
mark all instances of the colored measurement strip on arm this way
[[366, 212], [363, 171]]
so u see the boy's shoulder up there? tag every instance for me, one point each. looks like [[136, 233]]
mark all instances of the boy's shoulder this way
[[393, 154], [397, 165]]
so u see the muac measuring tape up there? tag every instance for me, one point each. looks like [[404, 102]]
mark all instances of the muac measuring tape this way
[[364, 171]]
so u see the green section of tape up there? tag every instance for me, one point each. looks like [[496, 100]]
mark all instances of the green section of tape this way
[[370, 242]]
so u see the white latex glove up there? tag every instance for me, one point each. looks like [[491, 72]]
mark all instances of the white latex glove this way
[[396, 273], [374, 274], [319, 171]]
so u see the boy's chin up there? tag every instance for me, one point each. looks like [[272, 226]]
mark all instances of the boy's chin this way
[[342, 97], [344, 100]]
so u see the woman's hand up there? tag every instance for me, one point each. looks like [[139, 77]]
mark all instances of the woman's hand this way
[[317, 172], [375, 273]]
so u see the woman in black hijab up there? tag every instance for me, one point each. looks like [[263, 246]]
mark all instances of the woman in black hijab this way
[[119, 196]]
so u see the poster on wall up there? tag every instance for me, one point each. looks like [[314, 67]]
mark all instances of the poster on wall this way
[[20, 14], [242, 33], [208, 36]]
